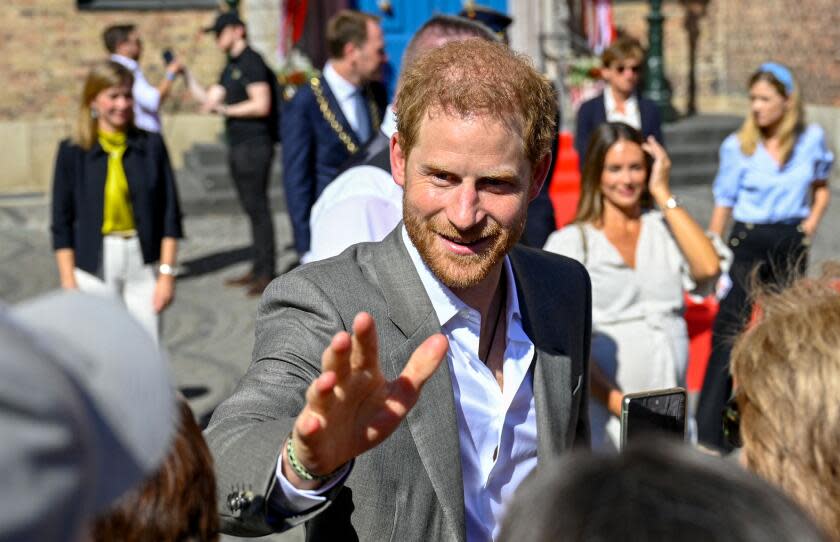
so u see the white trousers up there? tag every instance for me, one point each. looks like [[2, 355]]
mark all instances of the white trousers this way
[[126, 278]]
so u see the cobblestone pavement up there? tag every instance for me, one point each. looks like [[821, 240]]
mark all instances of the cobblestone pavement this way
[[208, 331]]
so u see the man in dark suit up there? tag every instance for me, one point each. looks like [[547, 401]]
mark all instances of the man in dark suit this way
[[331, 118], [332, 428], [620, 102]]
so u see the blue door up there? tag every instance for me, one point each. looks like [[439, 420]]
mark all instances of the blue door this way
[[404, 18]]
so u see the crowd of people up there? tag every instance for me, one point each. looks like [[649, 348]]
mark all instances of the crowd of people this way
[[426, 375]]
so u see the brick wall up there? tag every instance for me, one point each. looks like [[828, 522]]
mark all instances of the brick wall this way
[[48, 46], [735, 36], [47, 49]]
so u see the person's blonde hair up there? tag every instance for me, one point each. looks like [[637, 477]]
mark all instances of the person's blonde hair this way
[[101, 76], [791, 125], [478, 77], [590, 207], [622, 49], [786, 370]]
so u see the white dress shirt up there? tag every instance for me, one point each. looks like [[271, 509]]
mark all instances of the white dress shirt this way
[[146, 96], [631, 114], [345, 94], [497, 428], [362, 204], [389, 122]]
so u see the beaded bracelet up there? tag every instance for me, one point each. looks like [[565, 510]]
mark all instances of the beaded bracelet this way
[[302, 471]]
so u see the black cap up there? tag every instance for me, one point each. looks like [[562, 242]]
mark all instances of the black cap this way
[[228, 18], [495, 20]]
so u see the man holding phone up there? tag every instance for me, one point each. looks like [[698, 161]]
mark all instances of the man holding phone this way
[[124, 43]]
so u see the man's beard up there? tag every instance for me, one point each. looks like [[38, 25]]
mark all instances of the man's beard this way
[[458, 271]]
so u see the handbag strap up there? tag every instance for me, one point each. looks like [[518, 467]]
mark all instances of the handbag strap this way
[[583, 243]]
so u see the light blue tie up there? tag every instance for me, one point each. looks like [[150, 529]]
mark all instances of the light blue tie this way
[[362, 117]]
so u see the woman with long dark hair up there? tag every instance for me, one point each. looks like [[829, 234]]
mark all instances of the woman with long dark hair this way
[[772, 180], [640, 261], [115, 212]]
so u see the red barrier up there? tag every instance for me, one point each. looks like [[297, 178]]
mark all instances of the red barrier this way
[[564, 189], [699, 317]]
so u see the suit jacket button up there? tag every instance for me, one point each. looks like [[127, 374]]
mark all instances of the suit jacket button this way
[[234, 501]]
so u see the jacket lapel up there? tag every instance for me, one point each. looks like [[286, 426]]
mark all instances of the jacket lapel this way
[[332, 102], [133, 159], [95, 172], [553, 386], [601, 110], [645, 115], [432, 421]]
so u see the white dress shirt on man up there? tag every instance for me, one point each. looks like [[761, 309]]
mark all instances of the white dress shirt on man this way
[[362, 204], [347, 96], [497, 428], [146, 96], [631, 114]]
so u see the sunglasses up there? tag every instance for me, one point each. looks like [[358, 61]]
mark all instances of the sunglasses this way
[[621, 68], [732, 423]]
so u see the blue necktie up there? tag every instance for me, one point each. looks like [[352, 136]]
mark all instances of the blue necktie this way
[[362, 117]]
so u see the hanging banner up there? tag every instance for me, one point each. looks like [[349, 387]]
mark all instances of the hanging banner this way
[[291, 25], [598, 24]]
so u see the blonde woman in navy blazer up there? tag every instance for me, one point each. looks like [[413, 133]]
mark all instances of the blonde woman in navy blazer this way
[[133, 256]]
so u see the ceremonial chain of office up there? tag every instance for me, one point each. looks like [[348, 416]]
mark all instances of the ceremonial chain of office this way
[[329, 116]]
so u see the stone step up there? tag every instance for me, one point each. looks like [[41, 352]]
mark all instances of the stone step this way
[[711, 130], [693, 174], [691, 153], [694, 144], [205, 184], [206, 154], [706, 121], [196, 200]]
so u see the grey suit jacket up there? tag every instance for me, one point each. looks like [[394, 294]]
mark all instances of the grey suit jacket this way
[[409, 487]]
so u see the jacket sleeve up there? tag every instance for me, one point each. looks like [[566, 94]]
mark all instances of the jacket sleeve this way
[[656, 124], [582, 432], [63, 198], [298, 165], [295, 322], [583, 128], [171, 205]]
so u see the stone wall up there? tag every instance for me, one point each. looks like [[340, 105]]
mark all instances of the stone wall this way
[[735, 36], [48, 47]]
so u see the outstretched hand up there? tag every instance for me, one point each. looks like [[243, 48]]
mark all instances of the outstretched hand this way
[[351, 408], [660, 173]]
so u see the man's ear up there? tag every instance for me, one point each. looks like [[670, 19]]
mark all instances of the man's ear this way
[[398, 160], [538, 176], [349, 50]]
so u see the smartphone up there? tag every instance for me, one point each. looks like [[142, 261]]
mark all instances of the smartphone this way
[[168, 57], [659, 412]]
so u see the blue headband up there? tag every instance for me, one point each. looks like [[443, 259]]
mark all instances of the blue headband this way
[[781, 74]]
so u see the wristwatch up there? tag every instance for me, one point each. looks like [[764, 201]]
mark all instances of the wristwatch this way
[[166, 269], [672, 203]]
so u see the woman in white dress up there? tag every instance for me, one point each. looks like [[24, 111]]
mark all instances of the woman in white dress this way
[[640, 261]]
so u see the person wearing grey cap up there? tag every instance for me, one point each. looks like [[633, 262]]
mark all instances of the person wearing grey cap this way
[[87, 411]]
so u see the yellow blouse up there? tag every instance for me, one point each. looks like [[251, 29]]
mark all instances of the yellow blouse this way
[[117, 215]]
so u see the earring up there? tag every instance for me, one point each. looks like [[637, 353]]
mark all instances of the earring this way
[[94, 114]]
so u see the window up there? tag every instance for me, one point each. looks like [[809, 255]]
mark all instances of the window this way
[[147, 4]]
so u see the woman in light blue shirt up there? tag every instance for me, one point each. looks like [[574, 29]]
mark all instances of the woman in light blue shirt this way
[[773, 181]]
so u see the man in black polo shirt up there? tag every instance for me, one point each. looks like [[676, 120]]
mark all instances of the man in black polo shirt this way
[[243, 96]]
